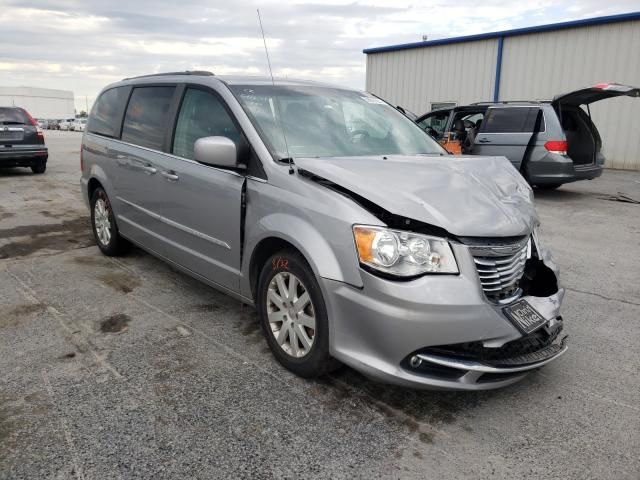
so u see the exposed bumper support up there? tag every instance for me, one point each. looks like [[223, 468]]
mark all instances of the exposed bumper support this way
[[475, 366]]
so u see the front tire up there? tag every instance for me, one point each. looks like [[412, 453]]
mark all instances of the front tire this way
[[103, 223], [293, 315]]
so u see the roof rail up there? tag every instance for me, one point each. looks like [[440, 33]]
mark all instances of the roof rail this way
[[201, 73], [506, 102]]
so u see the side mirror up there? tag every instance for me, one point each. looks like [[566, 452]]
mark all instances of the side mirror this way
[[216, 151]]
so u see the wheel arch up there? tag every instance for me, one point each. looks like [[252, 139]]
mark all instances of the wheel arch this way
[[92, 186], [322, 246], [262, 251]]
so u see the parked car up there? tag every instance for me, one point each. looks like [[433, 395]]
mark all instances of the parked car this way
[[21, 140], [67, 124], [79, 125], [352, 232], [550, 143], [53, 125]]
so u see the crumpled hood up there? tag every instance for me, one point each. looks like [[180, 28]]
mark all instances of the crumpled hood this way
[[466, 195]]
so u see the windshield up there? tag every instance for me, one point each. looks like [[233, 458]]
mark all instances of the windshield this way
[[327, 122]]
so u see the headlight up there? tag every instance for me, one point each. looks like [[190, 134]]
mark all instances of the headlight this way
[[404, 254]]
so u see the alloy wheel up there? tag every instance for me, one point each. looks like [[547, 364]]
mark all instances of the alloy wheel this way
[[102, 222], [291, 314]]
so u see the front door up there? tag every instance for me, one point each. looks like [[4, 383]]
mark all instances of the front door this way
[[201, 206], [506, 132]]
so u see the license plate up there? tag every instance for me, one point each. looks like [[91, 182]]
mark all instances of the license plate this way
[[10, 135], [524, 316]]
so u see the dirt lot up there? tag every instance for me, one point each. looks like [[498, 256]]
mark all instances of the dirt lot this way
[[127, 369]]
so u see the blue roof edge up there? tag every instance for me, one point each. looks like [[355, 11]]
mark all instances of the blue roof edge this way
[[623, 17]]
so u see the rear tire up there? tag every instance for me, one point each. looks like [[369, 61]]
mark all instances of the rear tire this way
[[41, 167], [290, 303], [103, 223]]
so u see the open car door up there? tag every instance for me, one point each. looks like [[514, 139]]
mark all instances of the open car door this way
[[507, 130], [598, 92]]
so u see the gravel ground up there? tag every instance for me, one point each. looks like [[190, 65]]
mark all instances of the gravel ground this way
[[125, 368]]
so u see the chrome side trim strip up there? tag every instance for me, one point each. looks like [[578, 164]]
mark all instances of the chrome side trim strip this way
[[177, 225], [480, 367], [143, 210]]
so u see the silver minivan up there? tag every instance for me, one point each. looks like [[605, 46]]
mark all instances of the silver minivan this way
[[550, 143], [358, 239]]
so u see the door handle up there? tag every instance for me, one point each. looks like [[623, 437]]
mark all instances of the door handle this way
[[149, 169], [121, 160], [484, 140], [171, 176]]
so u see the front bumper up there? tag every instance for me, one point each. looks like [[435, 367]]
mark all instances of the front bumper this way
[[378, 328], [23, 157]]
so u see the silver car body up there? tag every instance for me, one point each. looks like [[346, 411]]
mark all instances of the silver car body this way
[[565, 120], [376, 324]]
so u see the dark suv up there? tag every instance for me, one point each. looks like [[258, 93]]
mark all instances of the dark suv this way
[[550, 143], [21, 140]]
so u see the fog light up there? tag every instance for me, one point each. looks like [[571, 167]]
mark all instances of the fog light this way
[[415, 361]]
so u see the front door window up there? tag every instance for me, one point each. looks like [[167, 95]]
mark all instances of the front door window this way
[[435, 123], [201, 115]]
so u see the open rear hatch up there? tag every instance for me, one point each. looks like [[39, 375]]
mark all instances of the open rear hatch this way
[[583, 140], [598, 92]]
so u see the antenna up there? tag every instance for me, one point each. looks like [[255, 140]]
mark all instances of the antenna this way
[[266, 51]]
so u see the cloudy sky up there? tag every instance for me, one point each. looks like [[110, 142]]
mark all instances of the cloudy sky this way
[[84, 45]]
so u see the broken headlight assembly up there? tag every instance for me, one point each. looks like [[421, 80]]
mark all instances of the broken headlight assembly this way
[[403, 254]]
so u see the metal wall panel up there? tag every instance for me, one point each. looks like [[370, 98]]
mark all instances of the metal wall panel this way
[[539, 66], [460, 73], [40, 102]]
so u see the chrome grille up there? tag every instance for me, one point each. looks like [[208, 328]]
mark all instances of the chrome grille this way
[[500, 268]]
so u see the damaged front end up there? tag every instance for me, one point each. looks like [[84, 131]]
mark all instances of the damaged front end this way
[[509, 268], [484, 326], [510, 271]]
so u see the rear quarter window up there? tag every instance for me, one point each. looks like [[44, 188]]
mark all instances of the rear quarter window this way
[[512, 120], [106, 114], [146, 117]]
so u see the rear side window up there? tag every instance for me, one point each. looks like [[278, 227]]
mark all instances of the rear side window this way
[[512, 120], [105, 116], [146, 116], [16, 116], [202, 115]]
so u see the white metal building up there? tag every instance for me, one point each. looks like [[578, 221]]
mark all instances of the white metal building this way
[[533, 63], [41, 103]]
